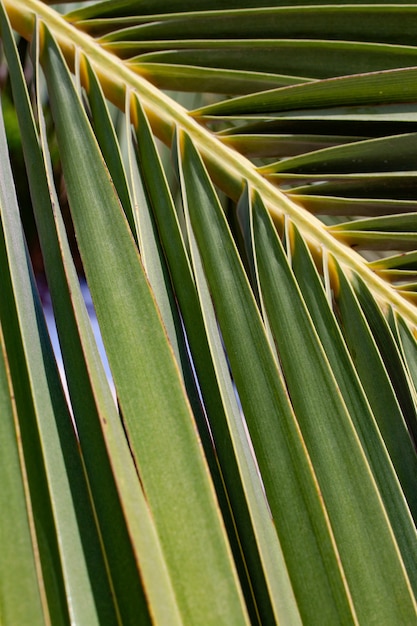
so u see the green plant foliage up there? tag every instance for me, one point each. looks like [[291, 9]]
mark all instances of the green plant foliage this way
[[235, 182]]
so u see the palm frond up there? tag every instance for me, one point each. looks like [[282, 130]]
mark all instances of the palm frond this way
[[256, 303]]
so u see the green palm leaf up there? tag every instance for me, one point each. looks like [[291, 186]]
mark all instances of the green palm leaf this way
[[254, 283]]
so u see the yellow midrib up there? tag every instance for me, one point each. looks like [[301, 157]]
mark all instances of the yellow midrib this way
[[166, 114]]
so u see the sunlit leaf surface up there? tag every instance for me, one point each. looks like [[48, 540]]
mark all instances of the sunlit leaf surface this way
[[235, 182]]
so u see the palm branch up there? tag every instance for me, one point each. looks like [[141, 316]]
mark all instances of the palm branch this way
[[240, 178]]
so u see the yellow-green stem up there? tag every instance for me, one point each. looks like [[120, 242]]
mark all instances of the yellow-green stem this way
[[229, 168]]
